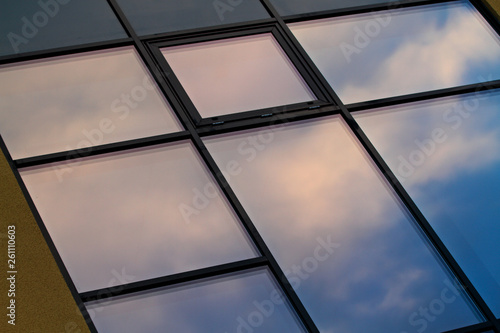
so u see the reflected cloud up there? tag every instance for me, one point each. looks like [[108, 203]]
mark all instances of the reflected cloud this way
[[403, 51], [121, 211], [78, 101], [454, 180], [238, 74], [312, 180]]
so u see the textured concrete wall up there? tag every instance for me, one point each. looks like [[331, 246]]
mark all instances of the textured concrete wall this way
[[43, 301]]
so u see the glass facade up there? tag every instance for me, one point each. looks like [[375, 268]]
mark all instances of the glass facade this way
[[261, 166]]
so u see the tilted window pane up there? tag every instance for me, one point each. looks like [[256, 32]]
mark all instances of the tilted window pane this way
[[245, 302], [446, 153], [27, 26], [290, 7], [135, 215], [403, 51], [237, 74], [351, 253], [79, 101], [152, 16]]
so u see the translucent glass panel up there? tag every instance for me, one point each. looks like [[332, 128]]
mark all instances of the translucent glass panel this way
[[237, 74], [125, 217], [249, 302], [351, 253], [27, 26], [75, 102], [153, 16], [447, 155], [290, 7], [403, 51]]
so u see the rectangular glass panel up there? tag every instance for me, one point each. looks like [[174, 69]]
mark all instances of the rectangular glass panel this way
[[125, 217], [446, 153], [79, 101], [28, 26], [152, 16], [291, 7], [404, 51], [237, 74], [245, 302], [351, 253]]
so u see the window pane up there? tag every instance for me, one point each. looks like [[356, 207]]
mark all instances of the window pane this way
[[447, 155], [75, 102], [27, 26], [237, 74], [351, 253], [290, 7], [404, 51], [249, 302], [152, 16], [125, 217]]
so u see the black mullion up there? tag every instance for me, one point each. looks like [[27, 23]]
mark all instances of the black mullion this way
[[361, 9], [484, 8], [396, 185], [281, 279], [55, 52], [170, 280], [48, 239], [206, 31], [149, 62], [423, 96], [101, 149], [276, 118]]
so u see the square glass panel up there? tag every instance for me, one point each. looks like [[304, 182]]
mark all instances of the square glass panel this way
[[124, 217], [353, 255], [27, 26], [237, 74], [446, 153], [244, 302], [79, 101], [397, 52], [153, 16], [291, 7]]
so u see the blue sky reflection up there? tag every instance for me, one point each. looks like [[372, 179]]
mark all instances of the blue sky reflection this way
[[348, 249], [447, 155], [402, 51]]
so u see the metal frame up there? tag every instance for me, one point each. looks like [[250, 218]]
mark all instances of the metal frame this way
[[196, 127]]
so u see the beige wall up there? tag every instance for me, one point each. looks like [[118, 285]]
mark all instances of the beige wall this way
[[43, 300]]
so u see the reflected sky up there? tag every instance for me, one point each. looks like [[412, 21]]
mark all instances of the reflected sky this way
[[77, 101], [153, 16], [402, 51], [309, 184], [141, 214], [237, 74], [290, 7], [27, 26], [233, 304], [447, 155]]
